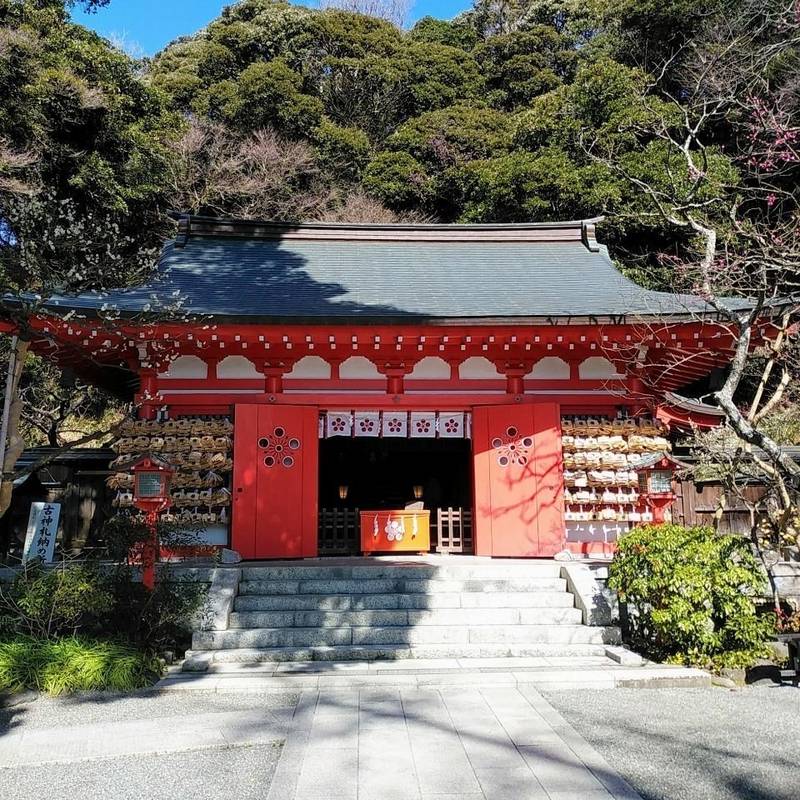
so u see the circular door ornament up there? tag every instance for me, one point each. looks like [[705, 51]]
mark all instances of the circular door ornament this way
[[278, 447], [510, 448]]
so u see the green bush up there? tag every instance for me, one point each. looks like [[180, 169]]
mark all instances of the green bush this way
[[153, 620], [125, 532], [690, 593], [74, 665], [102, 601], [47, 603]]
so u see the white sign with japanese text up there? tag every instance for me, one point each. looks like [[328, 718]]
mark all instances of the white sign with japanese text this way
[[40, 540]]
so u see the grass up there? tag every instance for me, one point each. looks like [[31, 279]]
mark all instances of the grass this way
[[73, 665]]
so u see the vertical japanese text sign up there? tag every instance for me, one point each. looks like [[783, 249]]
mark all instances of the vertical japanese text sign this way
[[40, 540]]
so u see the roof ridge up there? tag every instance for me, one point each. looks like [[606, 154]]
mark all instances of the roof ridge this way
[[190, 225]]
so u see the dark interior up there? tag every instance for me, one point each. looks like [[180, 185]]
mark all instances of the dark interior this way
[[382, 473]]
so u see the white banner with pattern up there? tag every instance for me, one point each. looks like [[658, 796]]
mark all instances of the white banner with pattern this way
[[367, 423], [338, 423], [395, 424], [451, 425], [423, 425]]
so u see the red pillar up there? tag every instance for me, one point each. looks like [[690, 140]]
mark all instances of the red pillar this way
[[148, 397], [150, 552]]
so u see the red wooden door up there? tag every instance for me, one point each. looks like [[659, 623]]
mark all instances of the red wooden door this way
[[518, 480], [275, 452]]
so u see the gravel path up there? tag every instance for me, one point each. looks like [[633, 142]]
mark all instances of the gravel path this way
[[694, 744], [228, 773], [82, 709], [237, 773]]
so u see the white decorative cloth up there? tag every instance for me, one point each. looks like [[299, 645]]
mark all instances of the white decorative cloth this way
[[423, 425], [338, 423], [367, 423], [451, 425], [395, 424]]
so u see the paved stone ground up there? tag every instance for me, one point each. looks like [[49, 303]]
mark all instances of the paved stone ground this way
[[695, 744], [498, 743], [388, 743], [670, 744], [591, 672]]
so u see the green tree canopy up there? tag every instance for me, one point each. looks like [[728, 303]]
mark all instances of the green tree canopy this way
[[488, 117]]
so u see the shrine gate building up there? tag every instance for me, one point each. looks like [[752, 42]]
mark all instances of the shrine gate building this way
[[508, 379]]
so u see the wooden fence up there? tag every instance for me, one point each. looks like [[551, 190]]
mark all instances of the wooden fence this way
[[697, 504], [339, 531], [452, 530]]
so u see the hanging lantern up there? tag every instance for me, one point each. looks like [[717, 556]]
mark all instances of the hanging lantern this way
[[417, 491], [343, 490]]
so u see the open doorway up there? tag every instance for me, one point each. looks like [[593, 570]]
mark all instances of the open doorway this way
[[365, 473]]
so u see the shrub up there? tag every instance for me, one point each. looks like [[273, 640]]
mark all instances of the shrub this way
[[121, 623], [74, 665], [47, 603], [343, 151], [158, 619], [692, 596], [126, 532], [101, 601]]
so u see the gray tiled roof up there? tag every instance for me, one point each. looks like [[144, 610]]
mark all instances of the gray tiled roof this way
[[390, 273]]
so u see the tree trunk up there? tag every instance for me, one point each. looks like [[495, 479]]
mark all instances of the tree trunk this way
[[14, 442]]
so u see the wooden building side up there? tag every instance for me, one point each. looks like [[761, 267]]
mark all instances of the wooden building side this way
[[74, 479]]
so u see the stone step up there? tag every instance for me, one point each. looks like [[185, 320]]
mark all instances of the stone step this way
[[359, 602], [401, 585], [393, 652], [399, 635], [533, 569], [398, 617]]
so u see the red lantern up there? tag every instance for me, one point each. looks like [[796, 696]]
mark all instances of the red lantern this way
[[151, 481], [655, 483]]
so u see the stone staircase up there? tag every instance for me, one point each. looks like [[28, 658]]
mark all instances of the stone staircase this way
[[379, 610]]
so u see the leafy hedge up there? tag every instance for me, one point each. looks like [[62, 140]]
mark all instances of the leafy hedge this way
[[691, 595], [73, 665], [89, 601], [85, 626]]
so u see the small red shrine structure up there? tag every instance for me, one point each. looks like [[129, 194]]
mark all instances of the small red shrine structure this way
[[354, 362], [151, 478]]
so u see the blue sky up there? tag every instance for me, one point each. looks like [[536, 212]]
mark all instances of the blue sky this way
[[143, 27]]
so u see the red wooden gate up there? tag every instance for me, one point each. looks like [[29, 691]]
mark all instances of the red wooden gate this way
[[275, 454], [519, 487]]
